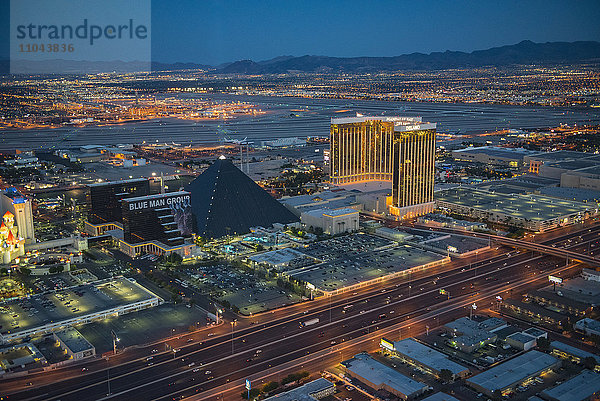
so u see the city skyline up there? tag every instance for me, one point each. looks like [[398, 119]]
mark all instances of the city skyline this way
[[275, 201]]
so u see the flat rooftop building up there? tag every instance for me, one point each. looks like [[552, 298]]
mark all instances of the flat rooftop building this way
[[423, 356], [74, 343], [64, 308], [311, 391], [332, 222], [440, 397], [510, 374], [532, 212], [381, 377], [565, 350], [494, 155], [278, 258], [581, 387], [471, 335]]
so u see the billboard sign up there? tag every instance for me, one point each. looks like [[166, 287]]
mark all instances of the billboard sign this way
[[554, 279], [387, 344]]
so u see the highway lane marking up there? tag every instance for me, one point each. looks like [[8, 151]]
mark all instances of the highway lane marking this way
[[493, 288], [225, 338], [374, 295], [359, 340], [312, 329]]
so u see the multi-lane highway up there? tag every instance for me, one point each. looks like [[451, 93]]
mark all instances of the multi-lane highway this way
[[278, 341]]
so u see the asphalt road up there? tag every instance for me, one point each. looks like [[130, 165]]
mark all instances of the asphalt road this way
[[283, 342]]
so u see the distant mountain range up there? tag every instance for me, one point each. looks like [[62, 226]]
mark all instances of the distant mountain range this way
[[525, 52]]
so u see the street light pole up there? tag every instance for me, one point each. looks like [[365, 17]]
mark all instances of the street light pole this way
[[108, 373], [115, 339], [232, 328]]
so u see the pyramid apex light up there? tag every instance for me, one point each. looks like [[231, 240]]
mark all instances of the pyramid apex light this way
[[222, 157]]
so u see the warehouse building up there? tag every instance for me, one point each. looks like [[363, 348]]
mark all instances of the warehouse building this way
[[381, 377], [506, 376], [532, 212], [577, 355], [585, 386], [74, 343], [311, 391], [413, 352]]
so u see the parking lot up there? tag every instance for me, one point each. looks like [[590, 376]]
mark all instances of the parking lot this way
[[144, 326], [250, 293], [354, 265], [337, 248]]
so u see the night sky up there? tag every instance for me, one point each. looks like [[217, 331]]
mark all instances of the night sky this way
[[213, 32]]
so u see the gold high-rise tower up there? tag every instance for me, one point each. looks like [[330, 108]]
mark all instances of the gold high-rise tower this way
[[396, 149]]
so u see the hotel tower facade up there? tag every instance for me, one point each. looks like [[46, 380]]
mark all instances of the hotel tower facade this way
[[396, 149]]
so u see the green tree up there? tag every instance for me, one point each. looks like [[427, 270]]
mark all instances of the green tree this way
[[253, 394], [497, 395], [270, 386], [566, 324], [25, 271], [446, 375], [589, 363], [543, 344], [3, 271]]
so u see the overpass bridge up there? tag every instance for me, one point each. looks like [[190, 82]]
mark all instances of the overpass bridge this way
[[532, 246], [549, 250]]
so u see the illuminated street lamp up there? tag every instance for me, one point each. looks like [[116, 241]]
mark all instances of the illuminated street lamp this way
[[233, 322], [217, 314], [115, 341]]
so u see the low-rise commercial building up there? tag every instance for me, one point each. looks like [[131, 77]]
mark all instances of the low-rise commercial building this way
[[470, 335], [381, 377], [74, 343], [585, 386], [311, 391], [588, 326], [332, 222], [574, 354], [508, 375], [521, 341], [440, 397], [567, 305], [494, 155], [532, 310], [440, 220], [280, 258], [589, 274], [532, 212], [426, 358]]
